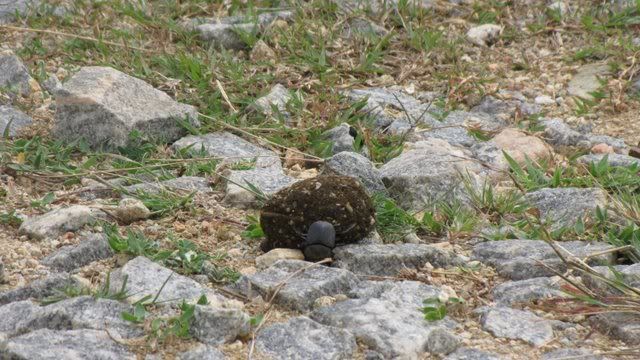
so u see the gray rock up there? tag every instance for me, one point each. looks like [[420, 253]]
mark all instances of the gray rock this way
[[582, 354], [348, 163], [226, 36], [2, 279], [14, 76], [277, 98], [59, 221], [39, 289], [519, 259], [442, 341], [91, 248], [383, 326], [389, 260], [612, 159], [302, 338], [362, 27], [559, 134], [185, 184], [587, 80], [373, 238], [52, 84], [15, 314], [620, 326], [215, 326], [299, 292], [505, 105], [629, 274], [471, 354], [428, 172], [232, 148], [14, 119], [223, 33], [409, 294], [563, 207], [617, 143], [525, 291], [104, 106], [267, 180], [635, 83], [485, 34], [145, 277], [453, 128], [48, 344], [516, 324], [341, 138], [84, 312], [202, 352], [9, 9], [389, 105]]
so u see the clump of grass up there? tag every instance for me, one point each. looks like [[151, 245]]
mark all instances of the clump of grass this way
[[10, 218], [435, 309], [253, 230], [164, 201], [444, 219], [181, 255]]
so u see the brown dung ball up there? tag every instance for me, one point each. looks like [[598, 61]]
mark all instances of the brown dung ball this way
[[339, 200]]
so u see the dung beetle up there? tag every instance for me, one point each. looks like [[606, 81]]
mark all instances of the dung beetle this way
[[319, 241]]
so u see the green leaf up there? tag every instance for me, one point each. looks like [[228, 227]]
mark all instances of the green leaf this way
[[203, 300]]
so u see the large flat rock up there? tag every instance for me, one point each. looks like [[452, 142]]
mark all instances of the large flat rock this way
[[563, 207], [299, 291], [91, 248], [39, 289], [525, 291], [214, 325], [103, 106], [516, 324], [144, 277], [301, 338], [84, 312], [14, 76], [48, 344], [520, 259], [14, 120], [59, 221], [230, 148], [413, 187], [621, 326], [348, 163], [383, 326], [389, 260]]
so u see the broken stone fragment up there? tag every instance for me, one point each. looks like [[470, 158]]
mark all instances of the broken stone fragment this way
[[327, 342], [484, 35], [214, 326], [12, 119], [145, 277], [104, 106], [60, 221], [270, 258], [14, 76], [92, 247]]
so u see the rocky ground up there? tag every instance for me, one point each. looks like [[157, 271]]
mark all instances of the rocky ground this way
[[497, 141]]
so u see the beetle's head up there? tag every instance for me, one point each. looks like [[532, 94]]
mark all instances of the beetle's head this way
[[320, 241]]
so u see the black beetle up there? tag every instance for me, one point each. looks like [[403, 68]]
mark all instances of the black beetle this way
[[319, 241]]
